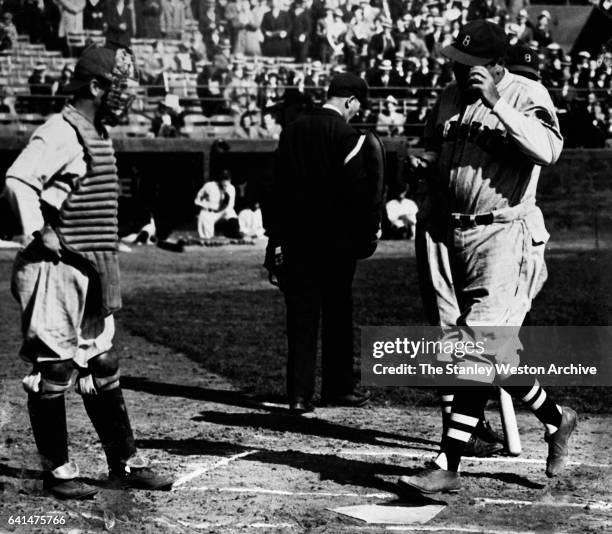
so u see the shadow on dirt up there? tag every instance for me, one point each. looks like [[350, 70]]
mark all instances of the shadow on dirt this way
[[313, 427], [328, 466]]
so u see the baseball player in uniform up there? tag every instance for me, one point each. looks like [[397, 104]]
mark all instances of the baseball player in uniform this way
[[64, 189], [483, 235]]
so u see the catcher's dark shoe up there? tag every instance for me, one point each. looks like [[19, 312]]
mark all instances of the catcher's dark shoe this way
[[481, 449], [139, 478], [354, 399], [557, 443], [68, 488], [431, 481], [485, 432], [300, 407]]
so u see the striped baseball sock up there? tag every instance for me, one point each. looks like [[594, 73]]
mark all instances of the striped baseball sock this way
[[468, 404], [544, 408]]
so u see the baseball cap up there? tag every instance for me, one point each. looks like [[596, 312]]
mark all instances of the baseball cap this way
[[95, 62], [523, 60], [347, 84], [479, 42]]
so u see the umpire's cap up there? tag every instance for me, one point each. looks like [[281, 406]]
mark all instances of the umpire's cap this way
[[478, 43], [95, 62], [347, 84], [523, 60]]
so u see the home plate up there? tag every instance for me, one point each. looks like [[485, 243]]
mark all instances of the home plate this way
[[389, 514]]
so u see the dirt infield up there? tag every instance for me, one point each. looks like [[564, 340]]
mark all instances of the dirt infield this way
[[201, 341]]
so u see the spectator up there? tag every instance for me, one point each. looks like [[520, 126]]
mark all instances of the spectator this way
[[276, 28], [64, 80], [8, 31], [216, 201], [357, 37], [301, 30], [524, 33], [402, 216], [150, 17], [34, 20], [382, 43], [250, 220], [119, 29], [247, 33], [328, 36], [93, 15], [270, 128], [541, 33], [71, 18], [390, 121], [169, 119], [483, 9], [41, 87], [413, 45], [248, 127], [435, 40], [380, 82], [172, 18]]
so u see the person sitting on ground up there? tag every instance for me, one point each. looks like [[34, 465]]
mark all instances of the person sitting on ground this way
[[216, 201], [250, 220], [401, 213]]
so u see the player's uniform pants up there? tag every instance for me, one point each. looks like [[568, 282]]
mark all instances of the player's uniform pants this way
[[483, 276], [56, 321]]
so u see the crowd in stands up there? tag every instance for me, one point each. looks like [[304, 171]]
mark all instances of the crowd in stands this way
[[243, 68]]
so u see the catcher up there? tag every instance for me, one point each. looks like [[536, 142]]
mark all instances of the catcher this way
[[64, 189]]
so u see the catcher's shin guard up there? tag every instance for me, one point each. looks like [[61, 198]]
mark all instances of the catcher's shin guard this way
[[46, 386], [106, 409], [48, 419]]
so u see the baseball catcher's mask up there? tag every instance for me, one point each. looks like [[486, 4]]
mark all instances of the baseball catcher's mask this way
[[116, 70]]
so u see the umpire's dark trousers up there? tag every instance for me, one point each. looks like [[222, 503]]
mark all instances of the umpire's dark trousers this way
[[318, 288]]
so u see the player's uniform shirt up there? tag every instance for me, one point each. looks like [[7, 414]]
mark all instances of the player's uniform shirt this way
[[490, 159]]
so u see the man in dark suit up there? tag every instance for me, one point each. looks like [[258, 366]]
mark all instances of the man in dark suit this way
[[323, 212]]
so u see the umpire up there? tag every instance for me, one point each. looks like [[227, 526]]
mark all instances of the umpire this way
[[323, 212]]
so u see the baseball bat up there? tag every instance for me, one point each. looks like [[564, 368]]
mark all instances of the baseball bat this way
[[508, 417]]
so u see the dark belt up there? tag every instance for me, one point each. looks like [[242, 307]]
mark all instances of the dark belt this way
[[469, 221]]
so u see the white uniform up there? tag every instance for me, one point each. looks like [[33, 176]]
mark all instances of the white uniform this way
[[487, 162], [216, 205]]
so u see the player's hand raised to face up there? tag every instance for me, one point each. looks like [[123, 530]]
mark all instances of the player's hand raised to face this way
[[481, 80]]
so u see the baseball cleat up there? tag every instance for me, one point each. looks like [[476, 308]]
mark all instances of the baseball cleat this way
[[300, 407], [431, 481], [68, 488], [354, 399], [485, 432], [481, 449], [557, 443], [140, 478]]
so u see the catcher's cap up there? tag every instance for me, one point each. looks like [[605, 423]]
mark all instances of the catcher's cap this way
[[523, 60], [479, 42], [347, 84], [95, 62]]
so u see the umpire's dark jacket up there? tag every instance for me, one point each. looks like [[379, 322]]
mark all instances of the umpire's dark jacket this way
[[327, 187]]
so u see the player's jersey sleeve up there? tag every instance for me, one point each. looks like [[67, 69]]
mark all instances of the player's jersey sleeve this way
[[53, 154], [532, 123]]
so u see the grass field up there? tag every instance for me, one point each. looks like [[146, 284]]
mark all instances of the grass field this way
[[201, 336]]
